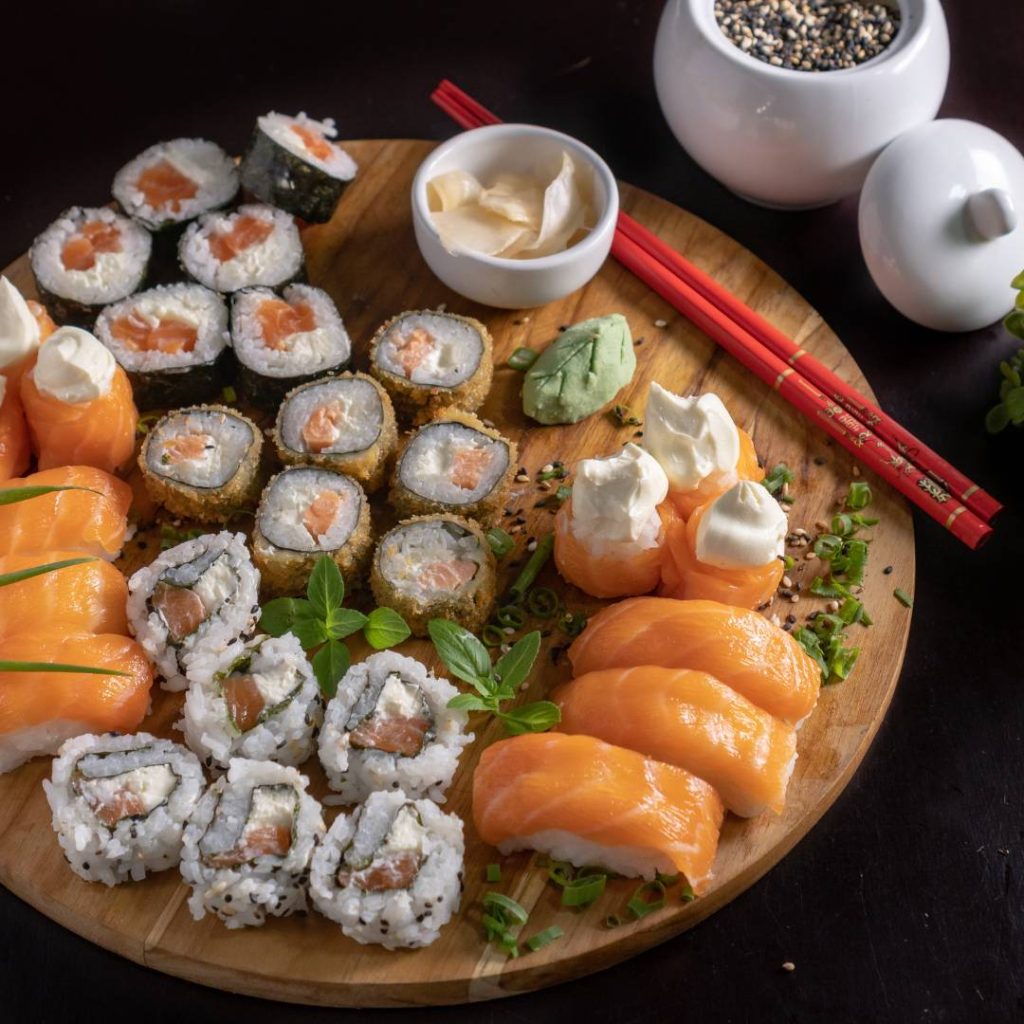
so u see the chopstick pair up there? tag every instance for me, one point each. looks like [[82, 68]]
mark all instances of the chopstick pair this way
[[871, 435]]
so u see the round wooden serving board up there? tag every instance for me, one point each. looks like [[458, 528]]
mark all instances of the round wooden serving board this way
[[367, 259]]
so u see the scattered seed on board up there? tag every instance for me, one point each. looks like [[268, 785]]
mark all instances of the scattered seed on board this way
[[660, 323], [788, 965]]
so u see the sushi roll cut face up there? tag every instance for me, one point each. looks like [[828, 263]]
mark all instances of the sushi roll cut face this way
[[203, 462], [173, 182], [87, 258], [248, 846], [344, 423], [170, 340], [293, 163], [120, 803], [255, 245], [435, 567], [192, 603], [431, 361], [454, 464], [306, 512], [389, 727], [391, 872], [263, 703]]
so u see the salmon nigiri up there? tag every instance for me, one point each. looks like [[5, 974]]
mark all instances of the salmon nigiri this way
[[697, 444], [688, 719], [24, 324], [39, 710], [90, 597], [729, 550], [735, 645], [91, 521], [587, 802], [610, 536], [78, 403], [15, 452]]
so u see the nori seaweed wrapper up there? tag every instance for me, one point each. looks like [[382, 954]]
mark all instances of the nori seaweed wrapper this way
[[267, 393], [180, 385]]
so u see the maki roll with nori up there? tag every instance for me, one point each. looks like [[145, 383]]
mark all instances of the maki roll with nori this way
[[203, 462], [454, 464], [172, 342], [284, 340], [173, 182], [192, 603], [88, 257], [252, 246], [249, 844], [345, 423], [120, 804], [391, 871], [263, 702], [432, 567], [306, 512], [292, 163], [389, 727], [431, 362]]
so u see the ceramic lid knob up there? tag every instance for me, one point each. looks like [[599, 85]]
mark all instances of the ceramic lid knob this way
[[939, 224]]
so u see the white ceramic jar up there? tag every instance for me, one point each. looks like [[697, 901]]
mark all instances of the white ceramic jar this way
[[794, 139]]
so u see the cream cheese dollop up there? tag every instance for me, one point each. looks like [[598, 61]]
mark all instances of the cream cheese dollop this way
[[743, 528], [19, 332], [616, 498], [73, 366], [691, 438]]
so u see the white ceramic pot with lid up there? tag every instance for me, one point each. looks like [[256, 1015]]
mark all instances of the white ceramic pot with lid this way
[[942, 224], [789, 138]]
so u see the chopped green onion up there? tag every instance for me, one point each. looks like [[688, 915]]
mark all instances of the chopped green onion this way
[[667, 880], [622, 416], [543, 602], [229, 394], [788, 562], [859, 496], [563, 494], [510, 616], [686, 893], [507, 906], [581, 892], [612, 921], [544, 938], [646, 899], [573, 623], [903, 597], [561, 872], [827, 546], [523, 358], [775, 480], [146, 421], [526, 578], [501, 543], [493, 873], [493, 636]]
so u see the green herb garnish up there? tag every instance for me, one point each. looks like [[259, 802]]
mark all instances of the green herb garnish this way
[[544, 938], [543, 602], [686, 893], [777, 478], [647, 898], [146, 421], [12, 495], [573, 623], [468, 659], [385, 628], [563, 494], [1011, 371], [903, 597], [229, 394], [529, 572], [501, 915], [493, 873], [510, 616], [493, 636], [7, 578], [501, 542], [859, 496], [556, 472], [613, 921], [624, 418], [523, 358]]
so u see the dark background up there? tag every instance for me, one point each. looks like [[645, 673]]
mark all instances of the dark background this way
[[905, 903]]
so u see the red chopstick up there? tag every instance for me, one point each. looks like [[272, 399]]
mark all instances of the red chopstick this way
[[771, 356]]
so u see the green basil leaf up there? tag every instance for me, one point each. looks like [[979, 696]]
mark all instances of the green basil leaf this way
[[7, 578], [310, 632], [12, 495], [513, 667], [470, 702], [462, 653], [326, 588], [385, 628], [330, 663], [343, 622], [277, 616], [536, 717], [44, 666]]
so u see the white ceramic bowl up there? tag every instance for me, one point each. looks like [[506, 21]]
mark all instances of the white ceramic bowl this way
[[794, 139], [506, 283]]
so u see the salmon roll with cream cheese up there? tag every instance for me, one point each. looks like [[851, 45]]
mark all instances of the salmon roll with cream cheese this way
[[171, 341], [203, 463], [435, 567], [86, 259], [284, 340], [345, 423], [252, 246], [431, 362], [454, 464], [294, 164], [306, 512]]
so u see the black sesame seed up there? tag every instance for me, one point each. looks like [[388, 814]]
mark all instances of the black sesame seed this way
[[887, 570]]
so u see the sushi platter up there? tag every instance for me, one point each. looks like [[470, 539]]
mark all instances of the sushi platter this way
[[366, 259]]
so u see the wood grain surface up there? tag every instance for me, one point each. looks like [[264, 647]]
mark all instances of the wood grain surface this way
[[367, 259]]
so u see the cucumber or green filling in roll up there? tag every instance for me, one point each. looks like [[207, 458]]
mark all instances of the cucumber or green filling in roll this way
[[115, 792], [384, 855], [391, 715], [267, 826]]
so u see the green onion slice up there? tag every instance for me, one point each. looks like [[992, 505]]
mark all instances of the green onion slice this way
[[523, 358], [511, 616], [859, 496], [492, 636], [506, 905], [544, 938], [647, 898], [526, 578], [500, 541], [543, 602], [493, 873], [903, 597], [583, 891]]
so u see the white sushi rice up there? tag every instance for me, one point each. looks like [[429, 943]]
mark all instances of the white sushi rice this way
[[394, 918], [192, 304], [293, 715], [203, 162], [455, 355], [283, 508], [408, 549], [279, 128], [244, 894], [428, 464], [113, 275], [229, 591], [90, 769], [359, 414], [272, 262], [357, 772], [326, 347], [228, 440]]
